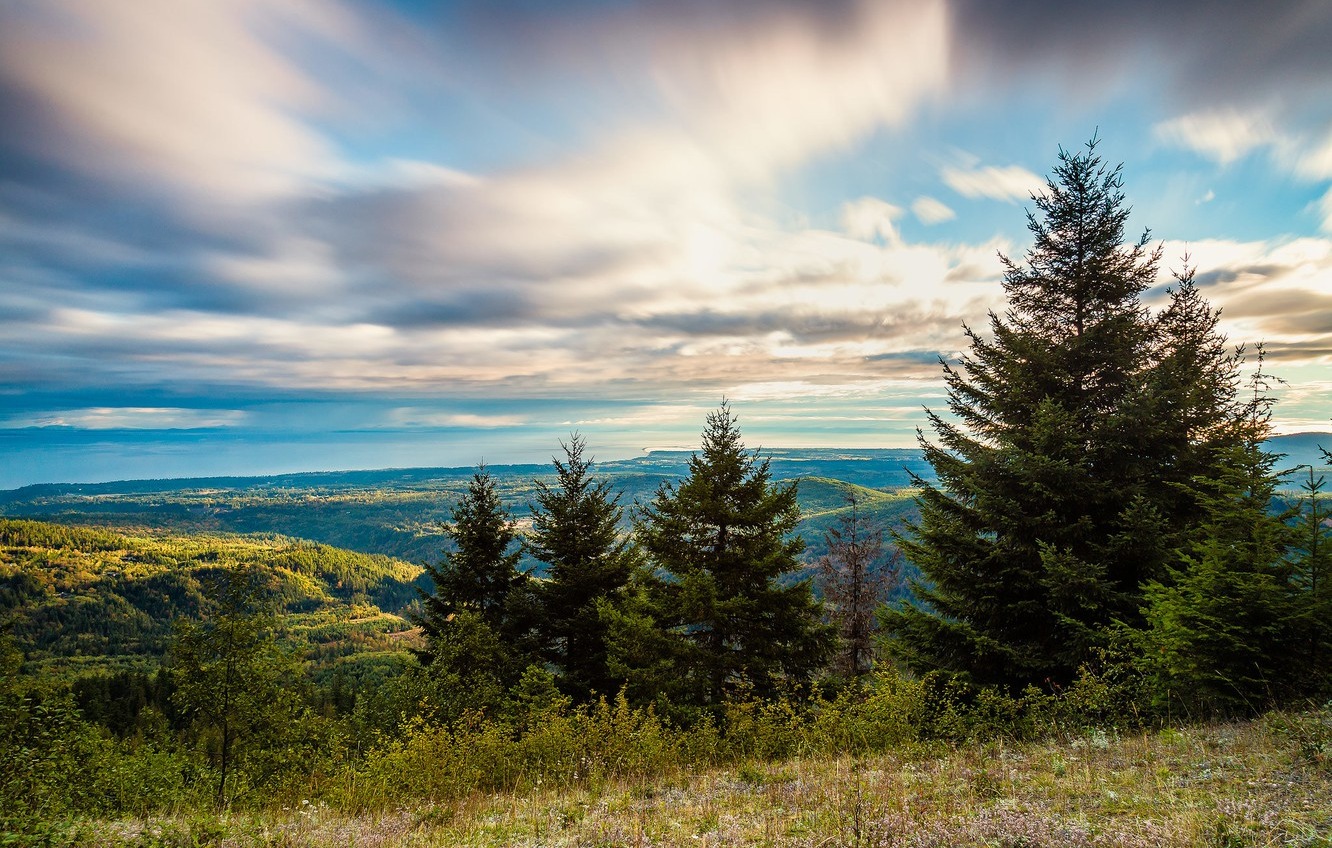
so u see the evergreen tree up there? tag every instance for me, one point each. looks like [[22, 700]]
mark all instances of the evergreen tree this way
[[575, 531], [855, 583], [478, 622], [721, 590], [1049, 512], [1311, 576], [1221, 627]]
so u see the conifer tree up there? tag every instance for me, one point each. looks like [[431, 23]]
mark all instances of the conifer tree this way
[[1050, 510], [477, 623], [720, 590], [1221, 625], [575, 531], [1311, 552]]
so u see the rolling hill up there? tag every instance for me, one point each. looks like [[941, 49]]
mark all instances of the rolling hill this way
[[81, 599]]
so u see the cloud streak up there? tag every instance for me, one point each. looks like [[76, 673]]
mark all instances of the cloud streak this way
[[513, 200]]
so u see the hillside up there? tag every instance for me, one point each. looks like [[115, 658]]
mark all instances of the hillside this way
[[401, 513], [99, 589], [80, 599]]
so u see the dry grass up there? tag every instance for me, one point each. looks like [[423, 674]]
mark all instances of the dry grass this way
[[1222, 785]]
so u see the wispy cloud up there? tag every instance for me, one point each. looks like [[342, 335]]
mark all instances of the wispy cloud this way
[[1222, 136], [182, 95], [130, 418], [416, 417], [870, 218], [1010, 183], [929, 210], [1278, 292]]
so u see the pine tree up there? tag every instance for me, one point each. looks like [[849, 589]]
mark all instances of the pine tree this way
[[1049, 512], [721, 591], [575, 531], [855, 582], [477, 623]]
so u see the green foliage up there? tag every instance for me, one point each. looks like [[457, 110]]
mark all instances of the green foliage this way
[[575, 533], [1311, 578], [1310, 733], [233, 683], [1220, 630], [478, 623], [720, 549], [86, 601], [58, 767], [51, 759], [1072, 421], [588, 743]]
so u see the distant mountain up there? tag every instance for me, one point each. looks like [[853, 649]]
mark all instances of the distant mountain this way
[[884, 468], [401, 512], [1303, 449], [396, 512]]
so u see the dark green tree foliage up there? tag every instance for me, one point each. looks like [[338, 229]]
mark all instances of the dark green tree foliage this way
[[478, 622], [1220, 627], [1049, 512], [575, 532], [234, 683], [1185, 423], [732, 620], [1311, 561]]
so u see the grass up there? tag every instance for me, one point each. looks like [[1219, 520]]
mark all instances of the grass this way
[[1230, 785]]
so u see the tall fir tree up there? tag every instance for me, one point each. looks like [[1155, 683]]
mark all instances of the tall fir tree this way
[[1048, 514], [478, 622], [719, 613], [575, 532]]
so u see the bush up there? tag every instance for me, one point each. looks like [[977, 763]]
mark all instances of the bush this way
[[51, 760]]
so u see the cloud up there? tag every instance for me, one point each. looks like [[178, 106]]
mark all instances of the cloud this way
[[181, 95], [1196, 53], [930, 211], [415, 417], [130, 418], [759, 86], [740, 93], [205, 196], [1278, 292], [1008, 183], [1222, 136], [870, 218], [1311, 155]]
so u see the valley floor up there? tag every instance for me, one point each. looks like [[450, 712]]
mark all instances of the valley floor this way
[[1264, 783]]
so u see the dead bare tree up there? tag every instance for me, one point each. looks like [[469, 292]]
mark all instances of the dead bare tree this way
[[856, 576]]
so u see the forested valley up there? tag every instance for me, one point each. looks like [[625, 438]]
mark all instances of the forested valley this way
[[1095, 608]]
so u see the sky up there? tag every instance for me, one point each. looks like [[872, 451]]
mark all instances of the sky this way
[[247, 237]]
